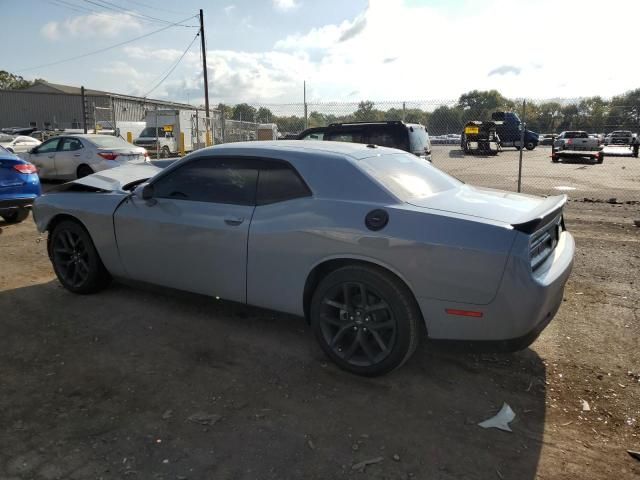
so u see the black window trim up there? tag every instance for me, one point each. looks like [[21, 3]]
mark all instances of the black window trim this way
[[250, 158]]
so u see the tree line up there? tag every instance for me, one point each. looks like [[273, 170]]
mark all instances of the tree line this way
[[593, 114]]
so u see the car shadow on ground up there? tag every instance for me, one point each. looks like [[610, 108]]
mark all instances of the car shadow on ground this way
[[150, 383]]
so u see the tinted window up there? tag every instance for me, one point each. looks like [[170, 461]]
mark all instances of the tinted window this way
[[346, 136], [407, 176], [314, 136], [210, 180], [388, 138], [49, 146], [576, 135], [71, 144], [279, 182]]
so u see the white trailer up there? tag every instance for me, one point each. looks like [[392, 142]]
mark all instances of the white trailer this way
[[164, 128]]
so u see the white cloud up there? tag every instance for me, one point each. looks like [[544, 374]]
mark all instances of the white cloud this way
[[393, 51], [285, 5], [93, 25], [229, 9]]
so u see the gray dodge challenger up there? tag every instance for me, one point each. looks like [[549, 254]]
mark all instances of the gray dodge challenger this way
[[373, 246]]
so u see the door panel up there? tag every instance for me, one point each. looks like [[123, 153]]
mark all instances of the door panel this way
[[68, 157], [194, 246], [44, 158]]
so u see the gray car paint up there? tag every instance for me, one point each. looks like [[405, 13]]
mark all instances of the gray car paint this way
[[455, 249]]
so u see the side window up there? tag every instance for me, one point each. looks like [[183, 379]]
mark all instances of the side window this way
[[346, 136], [49, 146], [314, 136], [389, 138], [213, 180], [278, 182], [71, 144]]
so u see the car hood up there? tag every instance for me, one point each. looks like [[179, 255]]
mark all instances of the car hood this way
[[488, 204], [114, 179]]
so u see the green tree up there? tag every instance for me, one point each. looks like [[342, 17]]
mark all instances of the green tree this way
[[445, 120], [479, 105], [244, 112], [264, 115], [367, 112], [10, 81]]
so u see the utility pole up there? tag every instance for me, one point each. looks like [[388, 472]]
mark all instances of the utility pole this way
[[304, 99], [84, 110], [206, 80]]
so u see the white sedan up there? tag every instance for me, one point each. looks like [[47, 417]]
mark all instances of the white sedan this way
[[75, 156], [19, 144]]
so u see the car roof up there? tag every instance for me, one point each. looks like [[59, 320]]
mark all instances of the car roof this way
[[270, 147]]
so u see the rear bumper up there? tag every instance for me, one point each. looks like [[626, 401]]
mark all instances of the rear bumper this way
[[9, 204], [524, 305]]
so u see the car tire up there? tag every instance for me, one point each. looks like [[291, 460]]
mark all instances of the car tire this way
[[75, 259], [600, 159], [367, 338], [530, 145], [84, 171], [16, 216], [165, 152]]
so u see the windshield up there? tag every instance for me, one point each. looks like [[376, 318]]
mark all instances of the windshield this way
[[576, 135], [153, 132], [107, 141], [408, 177]]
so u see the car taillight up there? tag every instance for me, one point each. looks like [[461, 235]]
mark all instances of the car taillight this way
[[108, 155], [25, 168]]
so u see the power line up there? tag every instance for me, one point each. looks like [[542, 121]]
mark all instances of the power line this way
[[173, 67], [111, 47], [71, 6], [118, 8]]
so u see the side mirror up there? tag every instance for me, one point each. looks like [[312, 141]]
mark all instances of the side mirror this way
[[144, 191]]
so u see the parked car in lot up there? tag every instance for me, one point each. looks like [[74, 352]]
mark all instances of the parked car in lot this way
[[576, 140], [366, 242], [410, 137], [546, 139], [76, 156], [619, 137], [19, 144], [19, 187]]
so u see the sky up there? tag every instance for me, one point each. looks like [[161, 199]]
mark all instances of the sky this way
[[261, 51]]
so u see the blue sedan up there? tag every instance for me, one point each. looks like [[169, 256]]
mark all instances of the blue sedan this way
[[19, 187]]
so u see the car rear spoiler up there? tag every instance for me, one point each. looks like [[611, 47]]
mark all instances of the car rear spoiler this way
[[541, 215]]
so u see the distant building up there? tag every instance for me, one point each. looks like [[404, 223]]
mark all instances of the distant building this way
[[52, 106]]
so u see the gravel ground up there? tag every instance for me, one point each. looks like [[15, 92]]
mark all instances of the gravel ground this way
[[145, 383], [618, 177]]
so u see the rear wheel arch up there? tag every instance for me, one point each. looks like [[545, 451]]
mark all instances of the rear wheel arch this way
[[83, 170], [327, 266]]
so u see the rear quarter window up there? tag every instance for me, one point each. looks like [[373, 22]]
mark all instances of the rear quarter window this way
[[279, 182]]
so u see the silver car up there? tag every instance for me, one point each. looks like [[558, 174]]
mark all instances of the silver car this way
[[372, 245], [76, 156]]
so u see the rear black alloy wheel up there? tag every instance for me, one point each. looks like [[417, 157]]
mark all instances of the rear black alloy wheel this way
[[357, 324], [75, 259], [365, 320]]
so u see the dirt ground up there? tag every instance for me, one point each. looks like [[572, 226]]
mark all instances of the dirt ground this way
[[141, 383]]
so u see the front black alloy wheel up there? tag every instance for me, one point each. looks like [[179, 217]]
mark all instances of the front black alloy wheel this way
[[16, 216], [75, 259], [365, 320]]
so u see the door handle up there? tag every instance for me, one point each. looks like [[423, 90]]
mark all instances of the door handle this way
[[51, 156], [233, 220], [76, 154]]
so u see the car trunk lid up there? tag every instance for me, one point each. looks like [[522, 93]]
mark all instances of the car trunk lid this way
[[523, 212]]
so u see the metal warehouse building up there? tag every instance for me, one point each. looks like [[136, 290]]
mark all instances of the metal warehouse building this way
[[52, 106]]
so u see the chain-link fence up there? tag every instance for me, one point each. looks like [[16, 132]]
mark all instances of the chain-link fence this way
[[535, 126], [530, 168]]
